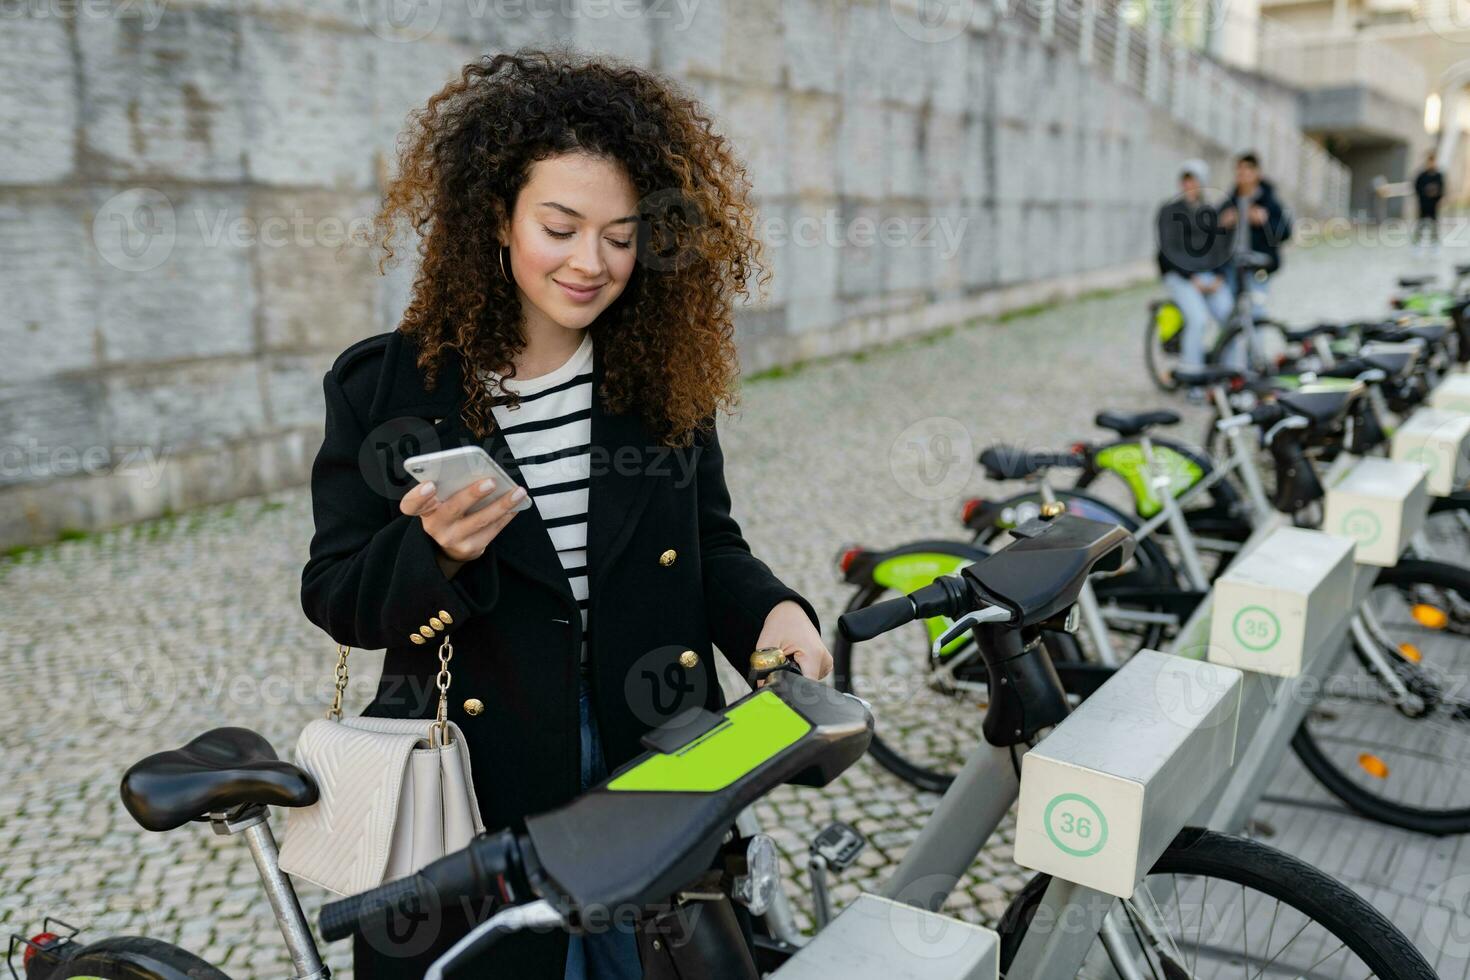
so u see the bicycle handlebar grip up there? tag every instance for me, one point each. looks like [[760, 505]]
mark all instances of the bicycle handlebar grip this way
[[945, 596], [342, 918], [875, 620]]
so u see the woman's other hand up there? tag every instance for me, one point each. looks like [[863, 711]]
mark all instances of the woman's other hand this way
[[787, 626], [461, 537]]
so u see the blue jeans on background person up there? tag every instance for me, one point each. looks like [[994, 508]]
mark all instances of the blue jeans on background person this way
[[1197, 309], [611, 954]]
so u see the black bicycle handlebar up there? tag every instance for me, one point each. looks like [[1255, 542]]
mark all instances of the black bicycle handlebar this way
[[945, 596], [490, 864]]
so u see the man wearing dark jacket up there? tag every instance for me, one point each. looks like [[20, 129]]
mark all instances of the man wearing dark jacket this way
[[1266, 224], [1429, 189]]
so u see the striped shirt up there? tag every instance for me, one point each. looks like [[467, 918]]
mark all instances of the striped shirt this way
[[550, 435]]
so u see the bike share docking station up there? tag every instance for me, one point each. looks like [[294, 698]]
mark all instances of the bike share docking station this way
[[1104, 794], [1452, 394], [1380, 504], [1199, 741], [1439, 441], [1274, 607]]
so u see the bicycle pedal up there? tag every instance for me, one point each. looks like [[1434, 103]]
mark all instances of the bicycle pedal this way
[[839, 844]]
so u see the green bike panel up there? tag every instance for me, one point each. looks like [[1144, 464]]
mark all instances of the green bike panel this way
[[753, 732], [1126, 460], [1435, 304], [1169, 320], [905, 573]]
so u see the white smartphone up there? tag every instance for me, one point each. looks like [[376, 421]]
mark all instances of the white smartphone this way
[[454, 469]]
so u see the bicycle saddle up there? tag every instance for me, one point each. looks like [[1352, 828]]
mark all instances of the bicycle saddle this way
[[1041, 573], [1323, 405], [219, 770], [1014, 463], [1134, 423], [1304, 334], [1414, 282], [1200, 377], [1430, 333]]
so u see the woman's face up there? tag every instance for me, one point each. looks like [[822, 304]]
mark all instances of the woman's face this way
[[575, 225]]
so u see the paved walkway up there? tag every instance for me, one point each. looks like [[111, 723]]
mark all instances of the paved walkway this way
[[132, 641]]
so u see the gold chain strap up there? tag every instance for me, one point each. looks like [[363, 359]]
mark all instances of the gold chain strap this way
[[335, 711], [440, 725], [441, 722]]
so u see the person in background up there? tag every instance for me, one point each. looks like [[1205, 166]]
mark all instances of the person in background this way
[[1266, 225], [1429, 189], [1192, 264]]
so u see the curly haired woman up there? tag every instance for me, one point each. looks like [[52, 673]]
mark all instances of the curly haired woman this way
[[584, 232]]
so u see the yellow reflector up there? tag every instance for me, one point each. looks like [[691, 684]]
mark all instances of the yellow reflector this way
[[1373, 766], [1429, 616], [1410, 652]]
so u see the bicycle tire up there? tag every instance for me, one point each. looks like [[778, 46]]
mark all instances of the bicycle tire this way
[[133, 958], [1287, 879], [1340, 781]]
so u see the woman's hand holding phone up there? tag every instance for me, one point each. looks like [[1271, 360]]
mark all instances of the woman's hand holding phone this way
[[462, 537]]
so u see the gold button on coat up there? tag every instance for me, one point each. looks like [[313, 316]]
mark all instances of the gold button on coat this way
[[444, 615], [416, 638], [667, 558], [689, 659], [426, 633], [436, 622], [473, 706]]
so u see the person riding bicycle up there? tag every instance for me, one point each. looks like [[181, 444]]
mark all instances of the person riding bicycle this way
[[1192, 263], [584, 229], [1267, 224]]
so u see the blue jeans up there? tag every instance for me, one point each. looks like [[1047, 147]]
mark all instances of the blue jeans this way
[[611, 954], [1198, 310]]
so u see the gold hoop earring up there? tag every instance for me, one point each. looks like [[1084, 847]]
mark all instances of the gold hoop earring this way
[[501, 255]]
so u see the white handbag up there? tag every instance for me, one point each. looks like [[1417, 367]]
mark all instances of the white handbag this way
[[395, 794]]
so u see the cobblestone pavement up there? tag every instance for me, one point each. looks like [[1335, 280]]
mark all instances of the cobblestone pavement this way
[[136, 640]]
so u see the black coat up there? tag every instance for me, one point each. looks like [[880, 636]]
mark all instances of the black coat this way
[[1267, 238], [668, 572]]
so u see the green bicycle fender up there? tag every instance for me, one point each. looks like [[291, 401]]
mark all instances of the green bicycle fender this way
[[751, 733], [905, 573], [1169, 320], [1126, 460]]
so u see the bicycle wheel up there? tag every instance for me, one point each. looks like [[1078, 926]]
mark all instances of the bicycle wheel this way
[[1446, 536], [1395, 749], [1161, 344], [130, 958], [1220, 906]]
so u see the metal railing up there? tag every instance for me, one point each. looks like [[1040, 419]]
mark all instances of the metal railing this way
[[1201, 95]]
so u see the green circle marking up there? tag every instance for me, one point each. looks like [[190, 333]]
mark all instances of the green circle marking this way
[[1255, 632], [1081, 822], [1362, 525]]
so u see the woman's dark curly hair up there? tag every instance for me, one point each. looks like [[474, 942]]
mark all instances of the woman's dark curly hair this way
[[667, 341]]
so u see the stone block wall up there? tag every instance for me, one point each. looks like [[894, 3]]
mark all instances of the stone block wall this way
[[177, 182]]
